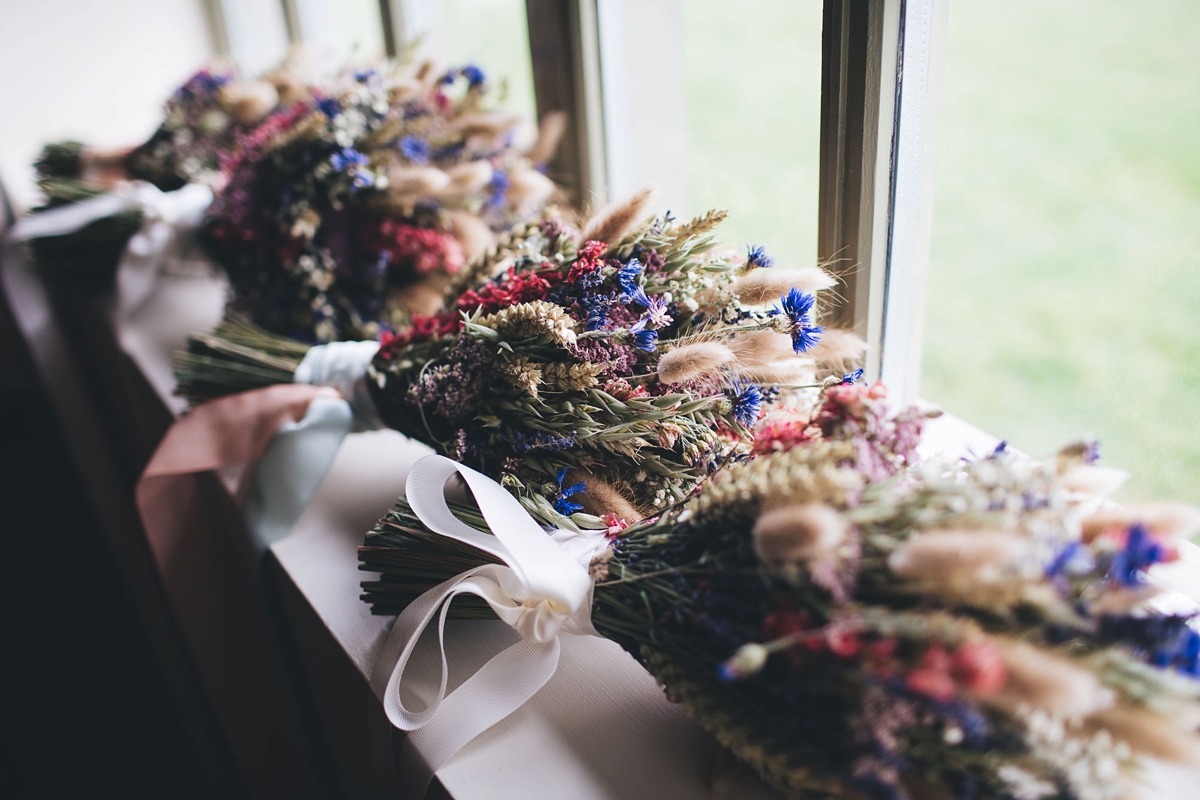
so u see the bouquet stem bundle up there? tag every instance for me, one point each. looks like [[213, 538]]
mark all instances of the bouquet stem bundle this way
[[956, 630]]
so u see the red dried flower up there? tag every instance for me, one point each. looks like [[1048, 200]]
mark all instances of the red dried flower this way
[[980, 667]]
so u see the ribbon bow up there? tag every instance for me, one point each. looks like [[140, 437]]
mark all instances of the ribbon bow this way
[[168, 219], [542, 591]]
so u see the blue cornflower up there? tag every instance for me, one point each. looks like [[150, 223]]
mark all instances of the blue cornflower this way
[[363, 76], [747, 400], [756, 256], [1091, 451], [643, 338], [638, 295], [362, 180], [474, 75], [498, 187], [415, 149], [852, 377], [797, 307], [646, 341], [627, 277], [562, 503], [1139, 553], [329, 107], [1064, 557], [349, 157]]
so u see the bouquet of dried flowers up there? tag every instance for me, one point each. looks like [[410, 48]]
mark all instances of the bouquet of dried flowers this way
[[388, 179], [854, 625], [606, 371], [206, 120]]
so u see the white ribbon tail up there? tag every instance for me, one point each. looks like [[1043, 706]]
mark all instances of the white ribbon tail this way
[[541, 592], [70, 218]]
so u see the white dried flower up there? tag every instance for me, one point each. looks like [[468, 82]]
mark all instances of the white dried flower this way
[[747, 661]]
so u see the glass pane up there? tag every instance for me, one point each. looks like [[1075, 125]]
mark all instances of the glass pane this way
[[359, 28], [752, 76], [492, 35], [1065, 272]]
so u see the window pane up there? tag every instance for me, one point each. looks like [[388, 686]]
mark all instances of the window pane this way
[[359, 28], [492, 35], [1064, 281], [752, 76]]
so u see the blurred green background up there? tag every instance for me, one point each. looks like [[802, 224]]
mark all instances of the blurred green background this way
[[1064, 284]]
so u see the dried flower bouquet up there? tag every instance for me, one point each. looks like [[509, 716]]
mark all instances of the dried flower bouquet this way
[[625, 358], [852, 625], [391, 177]]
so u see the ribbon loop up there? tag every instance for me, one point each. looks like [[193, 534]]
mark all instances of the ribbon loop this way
[[541, 591]]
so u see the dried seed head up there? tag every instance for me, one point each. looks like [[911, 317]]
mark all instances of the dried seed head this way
[[289, 86], [416, 181], [248, 101], [402, 89], [467, 178], [761, 286], [785, 372], [472, 233], [529, 189], [1149, 733], [798, 533], [1091, 479], [426, 71], [601, 497], [967, 556], [550, 132], [614, 222], [486, 123], [692, 361], [758, 348], [838, 348], [1041, 680]]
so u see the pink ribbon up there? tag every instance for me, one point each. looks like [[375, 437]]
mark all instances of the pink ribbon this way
[[209, 568]]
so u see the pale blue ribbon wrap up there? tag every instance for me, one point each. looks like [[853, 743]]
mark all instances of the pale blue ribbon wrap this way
[[300, 454]]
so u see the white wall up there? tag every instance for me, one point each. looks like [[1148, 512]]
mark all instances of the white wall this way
[[95, 70]]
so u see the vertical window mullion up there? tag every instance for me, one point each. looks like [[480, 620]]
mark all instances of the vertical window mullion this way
[[858, 79], [922, 37], [565, 54]]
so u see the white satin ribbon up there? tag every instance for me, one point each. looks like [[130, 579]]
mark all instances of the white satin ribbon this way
[[168, 220], [542, 590]]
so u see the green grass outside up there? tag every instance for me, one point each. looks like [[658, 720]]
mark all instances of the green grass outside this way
[[1064, 284]]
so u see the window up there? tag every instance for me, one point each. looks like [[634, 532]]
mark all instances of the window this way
[[1064, 275]]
